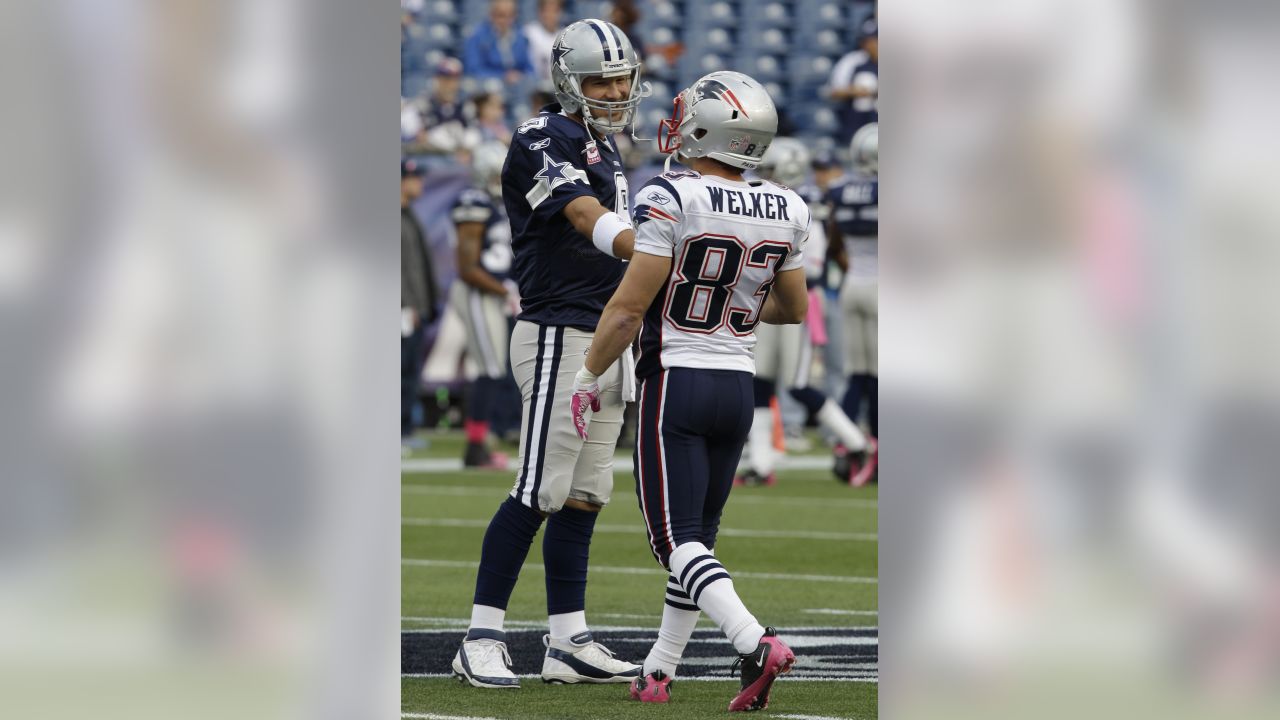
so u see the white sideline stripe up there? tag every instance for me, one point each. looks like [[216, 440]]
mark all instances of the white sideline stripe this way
[[638, 530], [621, 464], [688, 678], [470, 491], [617, 570], [810, 717]]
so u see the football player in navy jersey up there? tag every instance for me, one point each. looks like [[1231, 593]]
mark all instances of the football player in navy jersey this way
[[566, 198], [482, 293], [853, 229], [715, 255]]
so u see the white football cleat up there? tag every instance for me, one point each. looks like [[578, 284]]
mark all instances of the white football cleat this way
[[582, 660], [483, 660]]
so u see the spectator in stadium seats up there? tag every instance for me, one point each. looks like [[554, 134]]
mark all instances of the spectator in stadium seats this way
[[491, 118], [419, 297], [625, 15], [495, 49], [855, 82], [448, 120], [541, 35]]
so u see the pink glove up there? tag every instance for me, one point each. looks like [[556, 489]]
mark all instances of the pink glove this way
[[586, 394]]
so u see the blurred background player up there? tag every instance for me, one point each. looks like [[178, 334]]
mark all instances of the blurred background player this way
[[784, 353], [715, 256], [482, 294], [419, 298], [566, 196], [853, 231], [855, 83]]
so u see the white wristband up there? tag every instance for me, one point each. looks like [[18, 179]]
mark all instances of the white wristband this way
[[606, 230], [585, 376]]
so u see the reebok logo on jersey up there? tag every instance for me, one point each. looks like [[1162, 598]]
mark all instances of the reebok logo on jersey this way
[[540, 144], [658, 198]]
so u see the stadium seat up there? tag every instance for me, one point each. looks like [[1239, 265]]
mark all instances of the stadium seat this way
[[761, 67], [439, 11], [714, 14]]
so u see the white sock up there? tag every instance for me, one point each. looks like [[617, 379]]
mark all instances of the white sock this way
[[566, 625], [674, 633], [760, 441], [705, 580], [832, 417], [489, 618]]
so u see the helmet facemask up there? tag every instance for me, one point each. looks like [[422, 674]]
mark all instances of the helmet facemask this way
[[599, 113]]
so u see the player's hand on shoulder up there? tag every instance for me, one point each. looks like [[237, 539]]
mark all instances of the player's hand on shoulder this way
[[586, 396]]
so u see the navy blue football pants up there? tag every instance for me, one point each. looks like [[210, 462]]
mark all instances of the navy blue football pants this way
[[690, 431]]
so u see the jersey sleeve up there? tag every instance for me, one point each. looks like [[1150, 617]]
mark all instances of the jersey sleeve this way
[[657, 213], [543, 168], [795, 260], [472, 206]]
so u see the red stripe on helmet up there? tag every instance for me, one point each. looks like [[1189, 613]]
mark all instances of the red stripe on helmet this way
[[734, 99]]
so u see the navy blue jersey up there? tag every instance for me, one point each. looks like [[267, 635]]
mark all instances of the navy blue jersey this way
[[475, 205], [854, 203], [563, 278]]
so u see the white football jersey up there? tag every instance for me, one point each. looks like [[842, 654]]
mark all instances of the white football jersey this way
[[727, 241]]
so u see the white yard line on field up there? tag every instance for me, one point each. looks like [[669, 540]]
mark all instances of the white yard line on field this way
[[810, 717], [496, 493], [618, 570], [833, 611], [638, 530], [691, 678], [433, 716], [621, 464]]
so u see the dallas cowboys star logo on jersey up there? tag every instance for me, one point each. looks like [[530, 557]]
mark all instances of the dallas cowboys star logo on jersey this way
[[552, 175]]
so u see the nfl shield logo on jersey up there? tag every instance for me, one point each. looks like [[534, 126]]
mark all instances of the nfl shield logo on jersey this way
[[593, 153]]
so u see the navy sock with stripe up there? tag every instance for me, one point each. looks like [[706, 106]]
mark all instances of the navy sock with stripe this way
[[506, 544], [565, 549]]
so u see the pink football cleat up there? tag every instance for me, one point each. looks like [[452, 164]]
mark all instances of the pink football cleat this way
[[866, 473], [652, 688], [771, 658]]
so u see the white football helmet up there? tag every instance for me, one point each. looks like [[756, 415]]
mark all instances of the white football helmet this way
[[726, 116], [487, 160], [595, 47], [864, 150], [787, 162]]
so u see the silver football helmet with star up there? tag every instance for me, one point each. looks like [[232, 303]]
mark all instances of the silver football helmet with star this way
[[486, 166], [864, 150], [595, 47], [786, 162], [726, 116]]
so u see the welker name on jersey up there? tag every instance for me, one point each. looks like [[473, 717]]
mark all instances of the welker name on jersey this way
[[727, 241]]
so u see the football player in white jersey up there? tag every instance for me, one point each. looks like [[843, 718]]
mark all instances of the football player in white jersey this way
[[714, 255], [784, 353]]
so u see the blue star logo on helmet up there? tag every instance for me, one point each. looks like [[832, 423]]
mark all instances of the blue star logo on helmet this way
[[559, 51]]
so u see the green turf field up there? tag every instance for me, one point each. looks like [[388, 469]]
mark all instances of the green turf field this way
[[802, 553]]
